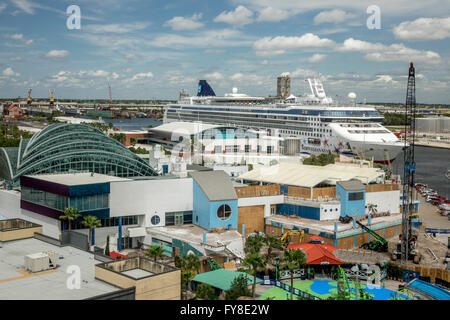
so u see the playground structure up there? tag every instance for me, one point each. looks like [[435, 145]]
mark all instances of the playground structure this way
[[213, 263]]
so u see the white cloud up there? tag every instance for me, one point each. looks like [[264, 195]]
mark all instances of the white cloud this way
[[16, 36], [204, 39], [270, 14], [25, 5], [333, 16], [140, 76], [182, 23], [214, 76], [395, 52], [19, 37], [278, 45], [2, 6], [317, 58], [384, 78], [9, 72], [239, 17], [115, 28], [423, 29], [303, 73], [57, 54]]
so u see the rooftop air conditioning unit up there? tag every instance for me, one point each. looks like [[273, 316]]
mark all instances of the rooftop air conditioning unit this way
[[41, 261]]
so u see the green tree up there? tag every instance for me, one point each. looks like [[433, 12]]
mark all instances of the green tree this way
[[238, 288], [155, 252], [271, 243], [204, 291], [91, 222], [254, 243], [189, 265], [292, 260], [254, 261], [70, 214]]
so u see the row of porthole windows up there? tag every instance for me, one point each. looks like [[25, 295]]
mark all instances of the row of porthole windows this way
[[331, 210]]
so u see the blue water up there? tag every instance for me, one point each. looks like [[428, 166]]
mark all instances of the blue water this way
[[324, 287], [133, 123], [430, 289]]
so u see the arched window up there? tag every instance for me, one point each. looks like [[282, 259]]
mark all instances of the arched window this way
[[155, 220], [224, 212]]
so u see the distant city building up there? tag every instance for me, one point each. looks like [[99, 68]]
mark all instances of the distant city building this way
[[284, 85]]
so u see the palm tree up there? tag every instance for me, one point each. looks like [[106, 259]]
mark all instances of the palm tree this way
[[253, 244], [189, 265], [271, 243], [70, 214], [91, 222], [254, 261], [292, 260], [155, 252]]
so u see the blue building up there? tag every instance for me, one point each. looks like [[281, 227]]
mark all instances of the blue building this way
[[352, 195], [215, 202]]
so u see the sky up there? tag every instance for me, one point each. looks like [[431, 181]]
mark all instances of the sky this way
[[151, 49]]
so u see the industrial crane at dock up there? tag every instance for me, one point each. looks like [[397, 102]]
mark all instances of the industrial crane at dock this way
[[408, 245]]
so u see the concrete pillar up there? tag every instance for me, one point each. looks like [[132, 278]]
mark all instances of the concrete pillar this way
[[119, 240], [204, 237], [243, 230]]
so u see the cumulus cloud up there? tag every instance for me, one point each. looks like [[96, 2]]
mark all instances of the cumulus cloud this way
[[57, 54], [9, 72], [333, 16], [395, 52], [269, 14], [238, 18], [317, 58], [182, 23], [2, 6], [278, 45], [423, 29]]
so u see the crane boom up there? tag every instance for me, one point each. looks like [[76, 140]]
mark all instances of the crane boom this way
[[373, 233]]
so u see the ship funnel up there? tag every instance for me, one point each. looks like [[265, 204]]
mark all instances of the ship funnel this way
[[204, 90]]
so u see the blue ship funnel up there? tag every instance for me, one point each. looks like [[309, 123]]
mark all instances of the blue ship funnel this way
[[204, 90]]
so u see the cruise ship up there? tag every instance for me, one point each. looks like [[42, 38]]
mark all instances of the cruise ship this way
[[319, 124]]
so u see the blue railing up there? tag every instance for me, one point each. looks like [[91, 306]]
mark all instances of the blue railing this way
[[296, 291], [432, 230]]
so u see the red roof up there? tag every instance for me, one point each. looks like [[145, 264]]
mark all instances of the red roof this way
[[316, 238], [114, 255], [317, 253]]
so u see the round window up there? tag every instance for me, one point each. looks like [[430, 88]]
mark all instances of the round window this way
[[155, 220], [224, 212]]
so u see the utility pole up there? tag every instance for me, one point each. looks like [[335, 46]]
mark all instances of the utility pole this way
[[409, 164]]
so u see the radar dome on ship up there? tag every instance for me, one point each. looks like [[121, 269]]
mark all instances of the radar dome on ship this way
[[235, 90], [352, 95]]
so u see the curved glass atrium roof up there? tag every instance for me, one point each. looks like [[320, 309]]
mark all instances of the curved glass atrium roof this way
[[62, 148]]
